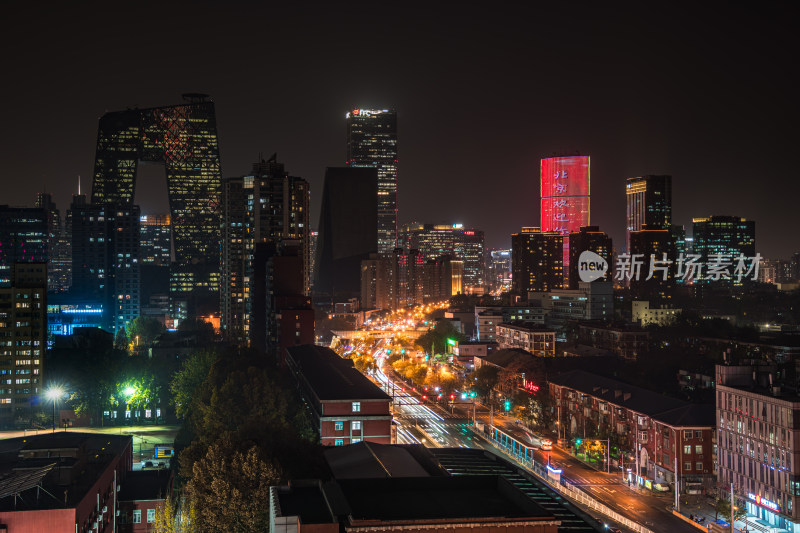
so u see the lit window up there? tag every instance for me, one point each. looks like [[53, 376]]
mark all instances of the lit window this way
[[356, 425], [338, 442], [137, 516], [151, 516], [339, 426], [356, 407]]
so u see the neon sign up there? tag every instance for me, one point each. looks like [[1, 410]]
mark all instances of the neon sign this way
[[764, 502]]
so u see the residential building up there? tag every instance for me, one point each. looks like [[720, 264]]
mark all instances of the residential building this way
[[757, 442], [660, 432], [346, 407], [372, 143], [59, 256], [348, 231], [645, 315], [536, 340], [443, 278], [140, 497], [462, 244], [590, 301], [84, 470], [24, 238], [488, 318], [588, 238], [23, 342], [565, 197], [184, 138], [626, 342], [105, 258], [649, 203], [537, 261], [466, 352], [266, 207]]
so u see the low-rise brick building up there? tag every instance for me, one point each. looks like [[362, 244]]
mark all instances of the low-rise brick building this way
[[534, 339], [346, 407], [661, 432]]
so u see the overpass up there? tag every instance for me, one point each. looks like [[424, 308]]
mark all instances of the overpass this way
[[412, 334]]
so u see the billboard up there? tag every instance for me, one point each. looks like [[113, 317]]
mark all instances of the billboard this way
[[565, 193]]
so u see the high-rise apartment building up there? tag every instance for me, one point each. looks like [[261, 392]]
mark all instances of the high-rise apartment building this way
[[537, 261], [372, 143], [757, 436], [59, 256], [649, 202], [105, 258], [498, 271], [348, 230], [394, 281], [24, 238], [724, 235], [265, 207], [589, 238], [565, 197], [23, 341], [155, 240], [463, 244], [184, 138]]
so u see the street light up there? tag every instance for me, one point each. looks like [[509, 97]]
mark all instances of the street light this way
[[54, 393]]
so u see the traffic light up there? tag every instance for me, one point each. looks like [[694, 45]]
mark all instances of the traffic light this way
[[403, 350], [472, 394], [507, 405], [578, 442], [424, 396], [452, 397], [440, 395], [427, 357], [463, 395]]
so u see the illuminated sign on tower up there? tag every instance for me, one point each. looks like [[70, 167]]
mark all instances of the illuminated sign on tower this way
[[565, 196]]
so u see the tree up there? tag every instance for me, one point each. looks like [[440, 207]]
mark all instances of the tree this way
[[484, 380], [165, 517], [143, 331], [230, 489], [202, 330], [436, 337], [723, 507], [190, 376], [121, 340]]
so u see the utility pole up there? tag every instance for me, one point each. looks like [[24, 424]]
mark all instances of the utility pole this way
[[732, 505], [678, 489]]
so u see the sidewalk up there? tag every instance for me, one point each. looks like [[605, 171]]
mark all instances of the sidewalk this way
[[705, 509]]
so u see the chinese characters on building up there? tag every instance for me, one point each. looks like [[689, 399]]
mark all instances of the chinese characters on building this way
[[688, 267]]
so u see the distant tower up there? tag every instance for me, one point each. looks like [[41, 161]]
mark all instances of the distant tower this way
[[649, 203], [565, 197], [372, 143]]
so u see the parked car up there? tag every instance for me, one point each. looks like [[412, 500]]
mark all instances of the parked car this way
[[547, 445]]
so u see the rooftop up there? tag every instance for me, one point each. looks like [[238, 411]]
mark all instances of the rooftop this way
[[330, 376], [671, 411]]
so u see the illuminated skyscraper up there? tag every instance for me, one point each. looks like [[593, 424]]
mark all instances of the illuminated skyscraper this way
[[155, 233], [649, 202], [372, 142], [463, 244], [184, 138], [592, 239], [59, 257], [724, 235], [565, 196], [23, 238]]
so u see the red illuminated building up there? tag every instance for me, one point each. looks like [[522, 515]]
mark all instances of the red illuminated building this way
[[565, 196], [346, 407]]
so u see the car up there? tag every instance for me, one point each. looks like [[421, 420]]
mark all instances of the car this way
[[547, 445]]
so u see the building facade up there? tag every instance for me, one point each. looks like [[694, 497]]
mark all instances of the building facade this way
[[537, 261], [372, 143], [536, 340], [23, 341], [758, 438], [648, 202], [727, 236], [670, 440], [59, 275], [626, 342], [24, 238]]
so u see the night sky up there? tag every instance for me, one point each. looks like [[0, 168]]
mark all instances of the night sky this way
[[482, 94]]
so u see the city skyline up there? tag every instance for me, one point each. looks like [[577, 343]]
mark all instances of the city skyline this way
[[645, 101]]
